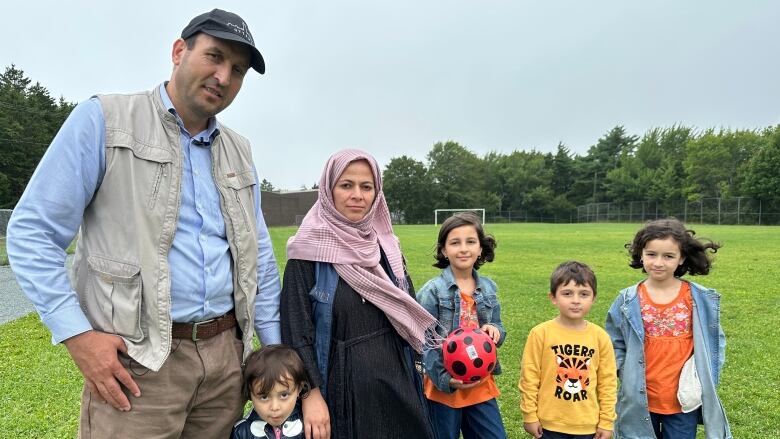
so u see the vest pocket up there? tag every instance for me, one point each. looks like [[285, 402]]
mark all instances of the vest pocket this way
[[243, 211], [150, 168], [113, 297], [242, 185], [156, 185]]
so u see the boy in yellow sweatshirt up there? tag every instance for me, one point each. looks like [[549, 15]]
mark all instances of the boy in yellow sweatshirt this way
[[568, 378]]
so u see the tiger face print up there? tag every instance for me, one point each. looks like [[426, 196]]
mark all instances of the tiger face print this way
[[572, 379]]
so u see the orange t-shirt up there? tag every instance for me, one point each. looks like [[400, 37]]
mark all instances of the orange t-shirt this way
[[668, 345], [485, 391]]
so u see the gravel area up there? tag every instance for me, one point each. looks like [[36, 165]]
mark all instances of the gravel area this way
[[14, 303]]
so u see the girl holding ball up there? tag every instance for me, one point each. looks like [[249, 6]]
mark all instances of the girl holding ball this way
[[460, 298]]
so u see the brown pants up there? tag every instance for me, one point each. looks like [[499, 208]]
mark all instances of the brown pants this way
[[196, 394]]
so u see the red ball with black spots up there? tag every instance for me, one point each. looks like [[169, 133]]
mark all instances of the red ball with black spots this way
[[469, 354]]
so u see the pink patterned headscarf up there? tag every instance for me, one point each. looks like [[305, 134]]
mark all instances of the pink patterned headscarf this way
[[326, 235]]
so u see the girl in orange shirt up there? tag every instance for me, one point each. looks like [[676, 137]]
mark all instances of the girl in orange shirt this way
[[679, 321], [461, 298]]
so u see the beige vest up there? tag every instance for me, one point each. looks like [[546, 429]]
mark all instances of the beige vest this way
[[121, 270]]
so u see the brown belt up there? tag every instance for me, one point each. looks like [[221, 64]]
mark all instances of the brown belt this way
[[205, 329]]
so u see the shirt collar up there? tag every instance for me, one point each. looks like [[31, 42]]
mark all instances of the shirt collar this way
[[203, 138], [450, 278]]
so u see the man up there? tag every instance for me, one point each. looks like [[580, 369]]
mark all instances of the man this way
[[172, 246]]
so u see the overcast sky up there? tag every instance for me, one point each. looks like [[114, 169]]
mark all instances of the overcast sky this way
[[394, 77]]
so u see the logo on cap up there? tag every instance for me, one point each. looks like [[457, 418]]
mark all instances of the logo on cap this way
[[243, 31]]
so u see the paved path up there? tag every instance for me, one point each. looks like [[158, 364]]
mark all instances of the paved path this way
[[13, 302]]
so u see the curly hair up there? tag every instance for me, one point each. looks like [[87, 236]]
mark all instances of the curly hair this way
[[274, 364], [695, 251], [460, 219]]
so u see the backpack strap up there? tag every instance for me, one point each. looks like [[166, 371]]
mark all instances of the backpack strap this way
[[321, 296]]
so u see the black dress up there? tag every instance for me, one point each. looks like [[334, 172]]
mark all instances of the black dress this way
[[371, 391]]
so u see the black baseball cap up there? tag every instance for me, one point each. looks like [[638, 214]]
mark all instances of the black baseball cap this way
[[227, 26]]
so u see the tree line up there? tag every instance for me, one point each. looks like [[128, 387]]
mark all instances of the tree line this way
[[29, 119], [664, 165]]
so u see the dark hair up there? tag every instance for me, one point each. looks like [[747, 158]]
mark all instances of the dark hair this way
[[274, 364], [575, 271], [460, 219], [190, 41], [693, 250]]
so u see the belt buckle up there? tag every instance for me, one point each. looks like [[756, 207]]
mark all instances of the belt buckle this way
[[195, 328]]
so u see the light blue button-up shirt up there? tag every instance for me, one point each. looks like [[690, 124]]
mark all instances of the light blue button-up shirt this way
[[50, 211]]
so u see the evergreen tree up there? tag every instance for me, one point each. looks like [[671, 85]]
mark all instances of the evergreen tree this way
[[602, 158], [266, 186], [29, 119], [763, 180]]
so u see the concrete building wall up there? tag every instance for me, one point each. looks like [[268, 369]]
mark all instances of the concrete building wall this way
[[282, 208]]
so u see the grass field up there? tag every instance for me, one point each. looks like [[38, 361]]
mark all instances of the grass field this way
[[3, 254], [40, 386]]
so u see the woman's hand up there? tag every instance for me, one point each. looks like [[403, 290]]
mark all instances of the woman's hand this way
[[316, 419], [492, 332], [602, 434]]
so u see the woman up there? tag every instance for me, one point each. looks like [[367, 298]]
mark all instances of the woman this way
[[347, 307]]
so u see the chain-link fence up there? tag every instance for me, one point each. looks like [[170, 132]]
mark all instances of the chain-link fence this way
[[289, 209], [737, 210], [526, 216]]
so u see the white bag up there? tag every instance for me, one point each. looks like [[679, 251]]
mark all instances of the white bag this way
[[689, 387]]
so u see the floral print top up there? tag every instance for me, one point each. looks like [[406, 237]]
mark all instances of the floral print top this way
[[668, 320], [468, 311], [668, 345]]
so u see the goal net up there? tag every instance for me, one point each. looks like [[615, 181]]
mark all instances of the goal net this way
[[439, 215]]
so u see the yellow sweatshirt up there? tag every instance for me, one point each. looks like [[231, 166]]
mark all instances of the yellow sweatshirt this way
[[568, 380]]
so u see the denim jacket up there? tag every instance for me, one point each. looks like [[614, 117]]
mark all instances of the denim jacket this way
[[440, 296], [321, 297], [625, 328]]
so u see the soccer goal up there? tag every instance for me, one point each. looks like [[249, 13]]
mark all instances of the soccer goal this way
[[442, 214]]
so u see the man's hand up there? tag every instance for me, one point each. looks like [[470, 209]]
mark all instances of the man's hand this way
[[492, 332], [95, 354], [316, 419], [602, 434], [533, 428]]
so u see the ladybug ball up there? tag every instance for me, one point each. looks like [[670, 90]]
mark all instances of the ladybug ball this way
[[469, 354]]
